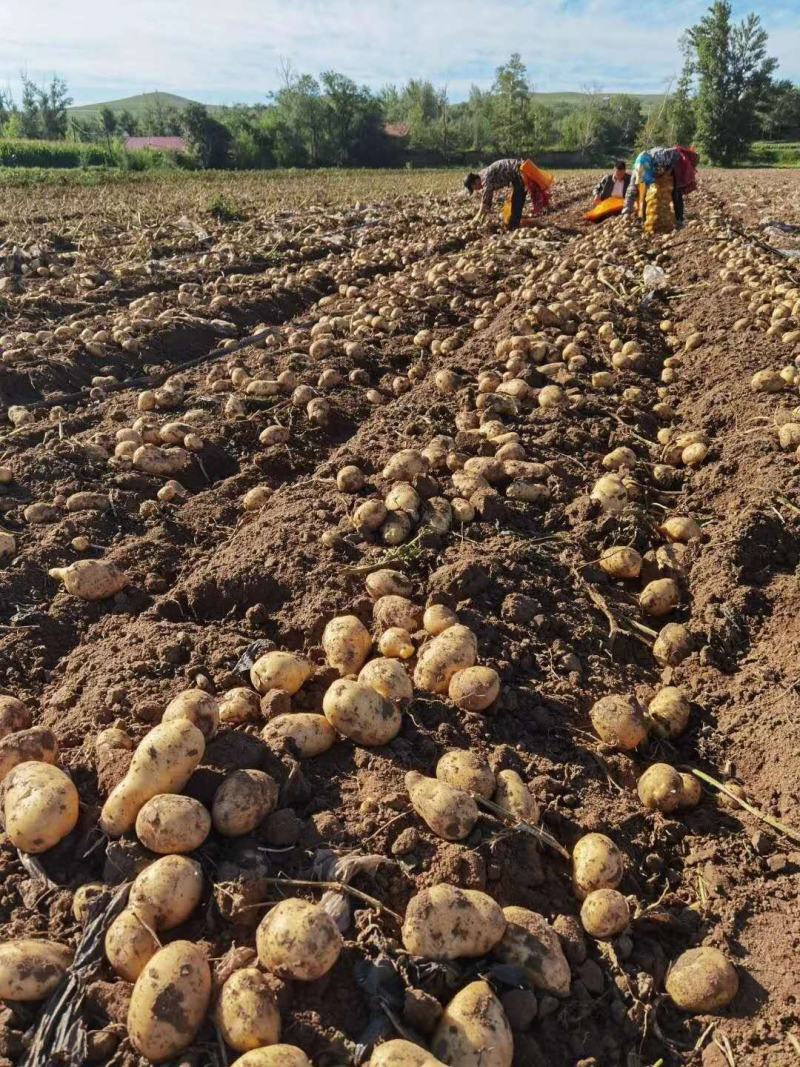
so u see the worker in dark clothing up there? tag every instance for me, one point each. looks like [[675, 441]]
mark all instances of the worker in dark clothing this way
[[614, 184], [521, 176]]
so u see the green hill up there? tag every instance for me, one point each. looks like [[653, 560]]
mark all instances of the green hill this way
[[649, 101], [138, 105]]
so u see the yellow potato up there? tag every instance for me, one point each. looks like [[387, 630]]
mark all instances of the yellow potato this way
[[448, 923], [14, 716], [438, 618], [396, 643], [389, 678], [310, 734], [347, 644], [161, 462], [280, 670], [531, 943], [621, 562], [239, 705], [397, 611], [681, 528], [297, 939], [37, 744], [453, 650], [473, 1030], [198, 707], [450, 813], [596, 864], [692, 792], [247, 1013], [170, 823], [167, 891], [400, 1053], [274, 1056], [619, 721], [673, 645], [31, 969], [242, 801], [513, 796], [605, 914], [131, 943], [660, 788], [463, 769], [405, 466], [702, 981], [91, 579], [660, 597], [387, 582], [83, 898], [610, 494], [40, 805], [361, 713], [169, 1001], [670, 710], [475, 688], [162, 763]]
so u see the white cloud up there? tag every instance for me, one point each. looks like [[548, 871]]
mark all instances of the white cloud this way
[[231, 50]]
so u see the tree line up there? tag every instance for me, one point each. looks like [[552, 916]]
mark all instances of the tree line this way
[[726, 97]]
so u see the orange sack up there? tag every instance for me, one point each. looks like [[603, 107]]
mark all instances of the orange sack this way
[[612, 205]]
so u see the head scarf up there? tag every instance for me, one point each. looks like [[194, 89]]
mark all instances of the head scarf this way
[[643, 168]]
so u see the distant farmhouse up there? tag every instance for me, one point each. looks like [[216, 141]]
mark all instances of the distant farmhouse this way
[[157, 144]]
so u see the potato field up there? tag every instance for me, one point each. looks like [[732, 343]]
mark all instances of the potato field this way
[[399, 627]]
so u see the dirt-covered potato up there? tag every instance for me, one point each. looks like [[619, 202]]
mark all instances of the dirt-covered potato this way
[[274, 1056], [40, 806], [619, 721], [531, 943], [247, 1013], [610, 493], [167, 891], [131, 943], [162, 763], [347, 643], [405, 466], [605, 913], [309, 733], [387, 582], [400, 1053], [169, 1001], [681, 528], [660, 597], [692, 791], [198, 707], [14, 716], [597, 863], [396, 643], [91, 579], [473, 1030], [669, 708], [242, 801], [621, 562], [397, 612], [660, 788], [170, 823], [475, 688], [702, 981], [280, 670], [37, 744], [448, 923], [512, 795], [361, 713], [438, 618], [31, 969], [388, 678], [299, 940], [453, 650], [83, 898], [238, 706], [463, 769], [673, 645], [449, 812]]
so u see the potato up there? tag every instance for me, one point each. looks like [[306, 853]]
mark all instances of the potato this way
[[387, 582], [83, 898], [91, 579], [449, 812], [610, 494], [397, 528], [361, 713], [682, 528], [619, 721], [669, 708], [169, 1001], [350, 479], [605, 913], [389, 678], [513, 796], [161, 462], [370, 515], [167, 891], [274, 1056], [14, 716], [531, 943], [619, 457], [400, 1053], [448, 923], [247, 1013], [130, 943], [621, 562], [403, 497], [299, 940], [309, 733], [239, 705], [347, 643], [37, 744], [31, 970], [198, 707], [169, 823], [692, 792], [660, 788], [397, 611], [463, 769], [438, 660], [660, 597], [405, 466], [242, 801], [280, 670], [163, 763], [475, 688], [596, 864], [702, 981], [438, 618], [396, 643], [473, 1030], [40, 806]]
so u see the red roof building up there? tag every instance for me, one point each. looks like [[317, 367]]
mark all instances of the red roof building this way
[[158, 144]]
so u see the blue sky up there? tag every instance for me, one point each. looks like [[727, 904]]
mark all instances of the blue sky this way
[[222, 52]]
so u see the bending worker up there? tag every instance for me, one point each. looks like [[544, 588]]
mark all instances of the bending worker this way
[[661, 176], [522, 176], [614, 184]]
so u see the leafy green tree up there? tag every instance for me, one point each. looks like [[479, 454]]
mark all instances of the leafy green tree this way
[[7, 109], [624, 120], [511, 98], [209, 139], [734, 74], [127, 123], [161, 120], [779, 116], [109, 123]]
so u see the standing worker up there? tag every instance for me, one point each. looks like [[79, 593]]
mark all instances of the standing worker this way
[[522, 176]]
